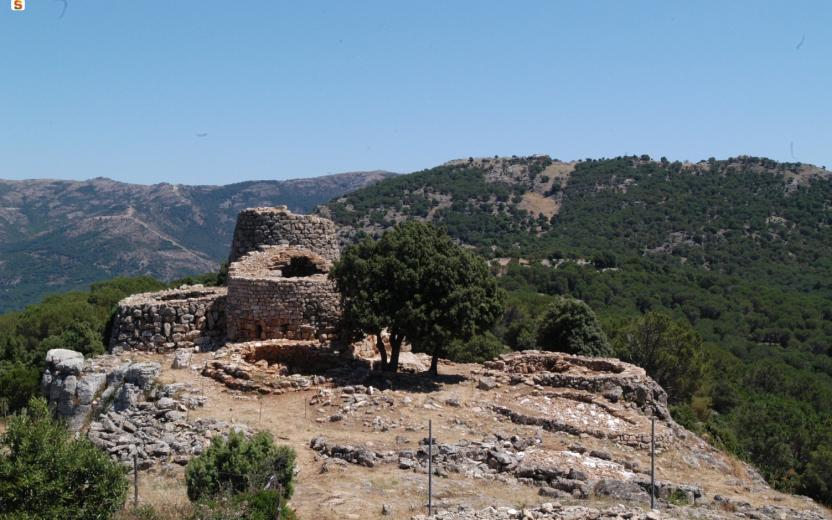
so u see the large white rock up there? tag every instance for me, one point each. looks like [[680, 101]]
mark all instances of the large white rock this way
[[65, 361]]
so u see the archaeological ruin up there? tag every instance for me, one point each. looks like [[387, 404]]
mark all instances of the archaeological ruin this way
[[281, 292], [257, 227], [278, 288]]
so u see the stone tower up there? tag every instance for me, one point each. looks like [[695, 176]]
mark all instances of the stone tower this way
[[258, 227]]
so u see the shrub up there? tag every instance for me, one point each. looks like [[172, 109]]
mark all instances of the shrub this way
[[45, 473], [669, 351], [569, 325], [483, 347], [260, 505], [240, 465]]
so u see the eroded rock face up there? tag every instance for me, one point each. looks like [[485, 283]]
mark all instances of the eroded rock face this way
[[77, 389]]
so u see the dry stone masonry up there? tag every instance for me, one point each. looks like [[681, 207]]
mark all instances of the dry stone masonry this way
[[278, 288], [258, 227], [166, 320], [281, 292]]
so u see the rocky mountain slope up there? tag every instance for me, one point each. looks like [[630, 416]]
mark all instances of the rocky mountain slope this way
[[61, 235], [530, 435]]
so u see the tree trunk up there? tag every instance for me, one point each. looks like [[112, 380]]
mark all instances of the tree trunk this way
[[434, 364], [381, 351], [395, 348]]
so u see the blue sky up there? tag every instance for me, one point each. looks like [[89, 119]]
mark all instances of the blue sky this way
[[295, 89]]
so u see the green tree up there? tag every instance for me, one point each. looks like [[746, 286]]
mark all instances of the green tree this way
[[569, 325], [420, 286], [80, 337], [669, 351], [482, 347], [46, 473], [239, 465], [18, 383]]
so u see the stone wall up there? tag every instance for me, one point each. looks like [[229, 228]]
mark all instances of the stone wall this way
[[281, 292], [166, 320], [258, 227]]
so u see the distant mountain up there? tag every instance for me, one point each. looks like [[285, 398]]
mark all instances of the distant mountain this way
[[61, 235]]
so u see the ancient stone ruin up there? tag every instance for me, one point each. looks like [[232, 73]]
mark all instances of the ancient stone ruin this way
[[167, 320], [278, 288], [281, 292], [257, 227]]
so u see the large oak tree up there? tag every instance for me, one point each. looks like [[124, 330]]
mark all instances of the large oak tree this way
[[420, 286]]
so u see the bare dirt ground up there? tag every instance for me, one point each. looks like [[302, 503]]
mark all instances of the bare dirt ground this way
[[458, 409]]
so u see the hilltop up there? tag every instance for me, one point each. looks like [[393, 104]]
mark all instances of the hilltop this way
[[739, 248], [62, 235]]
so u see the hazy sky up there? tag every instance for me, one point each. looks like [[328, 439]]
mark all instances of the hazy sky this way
[[128, 89]]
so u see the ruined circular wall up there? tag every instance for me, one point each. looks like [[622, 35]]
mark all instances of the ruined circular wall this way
[[166, 320], [258, 227], [281, 292]]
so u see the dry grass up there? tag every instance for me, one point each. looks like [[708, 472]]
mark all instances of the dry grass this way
[[355, 492]]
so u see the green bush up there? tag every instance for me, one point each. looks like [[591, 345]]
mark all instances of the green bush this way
[[260, 505], [46, 474], [483, 347], [669, 351], [240, 465], [569, 325]]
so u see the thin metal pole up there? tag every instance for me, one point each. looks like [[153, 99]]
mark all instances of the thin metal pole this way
[[135, 482], [652, 463], [430, 465]]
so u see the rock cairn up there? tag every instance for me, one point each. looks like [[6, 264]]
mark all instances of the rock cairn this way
[[281, 292], [258, 227], [167, 320]]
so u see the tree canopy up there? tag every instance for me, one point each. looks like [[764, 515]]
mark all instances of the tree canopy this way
[[420, 286], [670, 352], [569, 325]]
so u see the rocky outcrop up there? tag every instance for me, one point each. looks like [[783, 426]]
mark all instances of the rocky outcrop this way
[[76, 388]]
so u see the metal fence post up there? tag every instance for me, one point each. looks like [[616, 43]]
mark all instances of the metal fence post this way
[[652, 462], [430, 466], [135, 481]]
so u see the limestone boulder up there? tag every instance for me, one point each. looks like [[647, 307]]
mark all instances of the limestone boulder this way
[[65, 361]]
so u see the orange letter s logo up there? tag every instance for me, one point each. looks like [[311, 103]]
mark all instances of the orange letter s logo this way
[[18, 5]]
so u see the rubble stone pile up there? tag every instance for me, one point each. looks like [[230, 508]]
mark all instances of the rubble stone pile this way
[[152, 425]]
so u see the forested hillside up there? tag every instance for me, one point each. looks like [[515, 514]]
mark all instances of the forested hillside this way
[[740, 249], [63, 235]]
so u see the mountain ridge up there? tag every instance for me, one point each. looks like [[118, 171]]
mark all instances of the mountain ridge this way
[[59, 235]]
